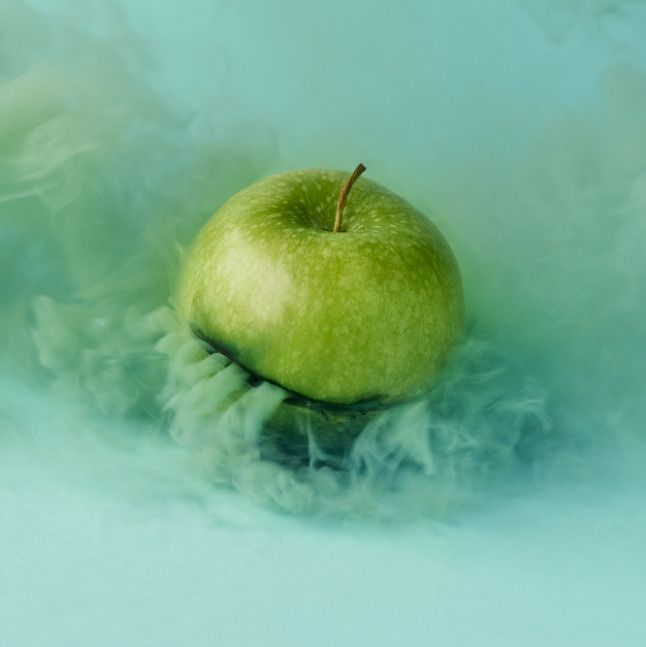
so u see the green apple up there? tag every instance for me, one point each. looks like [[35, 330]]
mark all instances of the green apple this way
[[337, 290]]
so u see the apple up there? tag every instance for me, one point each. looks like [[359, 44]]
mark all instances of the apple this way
[[333, 288]]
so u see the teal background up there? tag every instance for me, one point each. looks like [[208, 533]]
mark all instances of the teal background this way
[[519, 127]]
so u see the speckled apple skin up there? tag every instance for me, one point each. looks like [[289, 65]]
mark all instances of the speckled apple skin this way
[[368, 313]]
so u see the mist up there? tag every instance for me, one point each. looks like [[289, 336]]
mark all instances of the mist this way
[[507, 507]]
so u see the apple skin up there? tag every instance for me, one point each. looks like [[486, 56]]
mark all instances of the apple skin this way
[[364, 315]]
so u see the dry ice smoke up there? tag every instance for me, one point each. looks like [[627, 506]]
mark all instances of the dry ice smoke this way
[[106, 177]]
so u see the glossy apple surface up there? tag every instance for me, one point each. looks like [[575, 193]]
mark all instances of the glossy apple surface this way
[[366, 314]]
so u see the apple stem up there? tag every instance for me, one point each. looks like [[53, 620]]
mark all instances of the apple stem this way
[[343, 196]]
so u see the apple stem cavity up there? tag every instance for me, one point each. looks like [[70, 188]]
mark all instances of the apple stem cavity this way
[[343, 196]]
